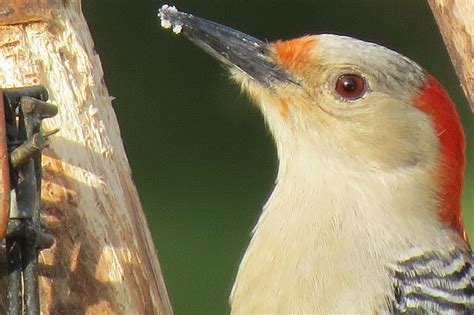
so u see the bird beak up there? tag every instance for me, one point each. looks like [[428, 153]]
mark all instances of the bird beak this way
[[231, 47]]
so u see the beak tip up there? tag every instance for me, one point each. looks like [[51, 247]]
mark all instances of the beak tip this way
[[165, 10], [170, 18]]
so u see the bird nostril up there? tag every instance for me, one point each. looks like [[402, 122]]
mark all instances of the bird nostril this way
[[263, 50]]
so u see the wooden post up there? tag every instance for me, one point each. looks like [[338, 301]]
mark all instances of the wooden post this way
[[455, 19], [104, 260]]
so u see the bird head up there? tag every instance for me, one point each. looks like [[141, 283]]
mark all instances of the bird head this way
[[350, 105]]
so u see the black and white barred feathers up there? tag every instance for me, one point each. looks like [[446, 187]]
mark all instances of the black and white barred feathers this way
[[433, 283]]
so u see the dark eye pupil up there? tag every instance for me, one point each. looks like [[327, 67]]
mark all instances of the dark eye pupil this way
[[350, 86]]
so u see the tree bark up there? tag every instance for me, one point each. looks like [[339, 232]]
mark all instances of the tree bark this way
[[103, 260], [455, 19]]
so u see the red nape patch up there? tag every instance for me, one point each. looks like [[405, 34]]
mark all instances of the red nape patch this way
[[292, 52], [435, 101]]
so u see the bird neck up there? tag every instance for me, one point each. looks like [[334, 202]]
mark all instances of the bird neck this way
[[325, 221], [331, 198]]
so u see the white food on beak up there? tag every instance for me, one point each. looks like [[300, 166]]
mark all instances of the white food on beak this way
[[177, 29], [166, 23]]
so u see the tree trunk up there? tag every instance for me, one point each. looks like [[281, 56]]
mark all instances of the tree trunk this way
[[103, 260], [455, 19]]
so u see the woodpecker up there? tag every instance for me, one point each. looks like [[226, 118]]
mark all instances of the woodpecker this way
[[365, 216]]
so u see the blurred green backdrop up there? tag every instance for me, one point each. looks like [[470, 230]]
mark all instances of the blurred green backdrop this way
[[201, 156]]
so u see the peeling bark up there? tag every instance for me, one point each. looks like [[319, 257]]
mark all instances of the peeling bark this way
[[104, 260]]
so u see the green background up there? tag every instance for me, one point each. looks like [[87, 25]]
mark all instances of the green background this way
[[202, 159]]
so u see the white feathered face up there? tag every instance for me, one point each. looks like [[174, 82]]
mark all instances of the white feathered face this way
[[352, 101]]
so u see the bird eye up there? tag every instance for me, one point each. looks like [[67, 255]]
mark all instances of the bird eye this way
[[350, 86]]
